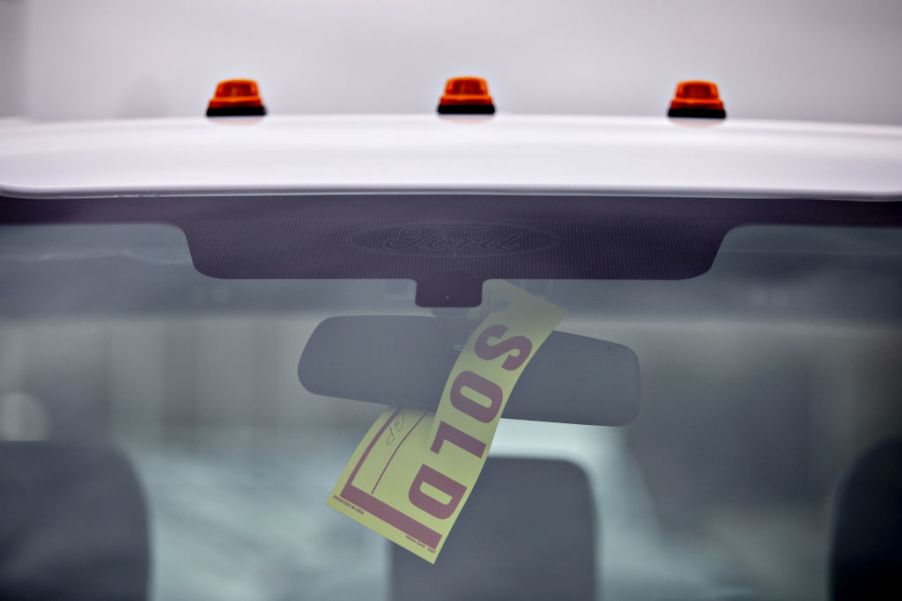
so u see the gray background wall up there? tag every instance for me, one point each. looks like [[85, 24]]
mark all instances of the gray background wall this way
[[787, 59]]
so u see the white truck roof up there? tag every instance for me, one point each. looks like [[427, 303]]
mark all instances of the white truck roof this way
[[503, 152]]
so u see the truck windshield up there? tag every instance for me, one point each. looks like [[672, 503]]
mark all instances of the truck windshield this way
[[178, 400]]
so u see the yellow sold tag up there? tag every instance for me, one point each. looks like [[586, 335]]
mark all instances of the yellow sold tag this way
[[413, 471]]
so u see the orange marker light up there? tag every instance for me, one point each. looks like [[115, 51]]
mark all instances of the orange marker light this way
[[236, 98], [466, 96], [697, 99]]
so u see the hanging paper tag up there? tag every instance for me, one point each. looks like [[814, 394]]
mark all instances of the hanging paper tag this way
[[413, 471]]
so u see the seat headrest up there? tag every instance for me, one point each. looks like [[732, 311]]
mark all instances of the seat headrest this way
[[526, 533], [866, 561], [73, 524]]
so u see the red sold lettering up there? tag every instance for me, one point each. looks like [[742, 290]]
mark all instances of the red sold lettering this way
[[458, 438], [485, 388], [519, 344], [488, 346], [454, 489]]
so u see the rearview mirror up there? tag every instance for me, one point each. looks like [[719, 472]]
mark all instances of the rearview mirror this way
[[405, 361]]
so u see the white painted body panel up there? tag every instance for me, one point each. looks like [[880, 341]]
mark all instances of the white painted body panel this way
[[643, 155]]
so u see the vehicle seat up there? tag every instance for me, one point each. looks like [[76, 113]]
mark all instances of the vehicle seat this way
[[866, 561], [526, 533], [73, 524]]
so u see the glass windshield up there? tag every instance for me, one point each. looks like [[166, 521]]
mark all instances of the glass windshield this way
[[176, 435]]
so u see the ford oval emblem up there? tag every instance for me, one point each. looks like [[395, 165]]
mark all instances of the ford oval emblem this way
[[453, 239]]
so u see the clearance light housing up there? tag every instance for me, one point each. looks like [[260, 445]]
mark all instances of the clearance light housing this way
[[466, 96], [697, 99], [236, 98]]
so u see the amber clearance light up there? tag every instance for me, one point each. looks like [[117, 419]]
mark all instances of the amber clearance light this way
[[697, 99], [236, 98], [466, 96]]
